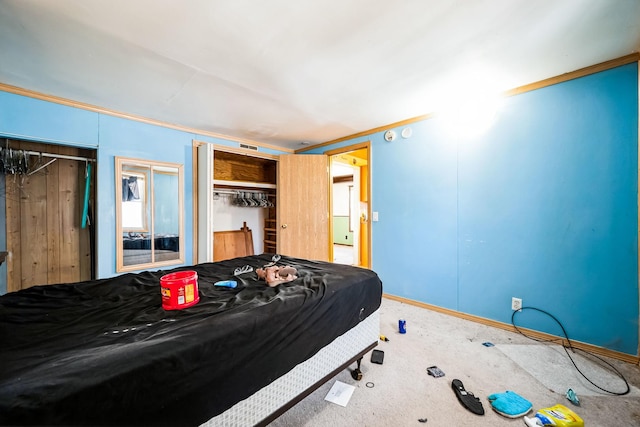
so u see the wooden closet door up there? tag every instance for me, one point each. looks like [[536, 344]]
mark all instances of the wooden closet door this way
[[303, 207]]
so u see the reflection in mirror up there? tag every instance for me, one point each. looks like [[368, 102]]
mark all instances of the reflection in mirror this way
[[149, 219]]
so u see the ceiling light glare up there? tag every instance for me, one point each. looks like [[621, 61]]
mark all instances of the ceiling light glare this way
[[470, 100], [471, 115]]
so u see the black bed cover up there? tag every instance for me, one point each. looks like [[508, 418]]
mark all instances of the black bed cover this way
[[105, 352]]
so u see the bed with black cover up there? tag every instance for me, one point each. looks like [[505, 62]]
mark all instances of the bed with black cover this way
[[105, 352]]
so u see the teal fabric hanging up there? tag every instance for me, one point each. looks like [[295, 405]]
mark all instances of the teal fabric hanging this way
[[87, 188]]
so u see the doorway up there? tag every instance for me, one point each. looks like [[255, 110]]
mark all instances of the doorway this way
[[349, 205]]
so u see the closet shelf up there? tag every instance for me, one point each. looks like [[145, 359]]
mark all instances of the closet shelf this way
[[245, 184]]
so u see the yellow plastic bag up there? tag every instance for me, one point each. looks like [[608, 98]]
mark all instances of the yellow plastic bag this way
[[558, 415]]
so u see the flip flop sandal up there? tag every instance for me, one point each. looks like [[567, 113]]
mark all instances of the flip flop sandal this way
[[274, 260], [242, 270], [466, 398]]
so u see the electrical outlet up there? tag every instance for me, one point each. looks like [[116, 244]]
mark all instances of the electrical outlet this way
[[516, 304]]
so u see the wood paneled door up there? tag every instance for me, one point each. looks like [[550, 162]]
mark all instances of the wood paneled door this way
[[303, 213], [44, 209]]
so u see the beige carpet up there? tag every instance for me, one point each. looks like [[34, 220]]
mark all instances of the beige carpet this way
[[401, 391], [549, 364]]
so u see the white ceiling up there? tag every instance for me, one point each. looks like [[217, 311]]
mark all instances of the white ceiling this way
[[283, 72]]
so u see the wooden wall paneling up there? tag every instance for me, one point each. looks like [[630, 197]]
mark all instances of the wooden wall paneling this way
[[53, 237], [33, 222], [237, 167], [69, 224], [78, 244], [14, 242], [44, 233], [82, 257], [85, 252]]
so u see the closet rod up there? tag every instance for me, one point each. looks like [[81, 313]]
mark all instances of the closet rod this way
[[225, 191], [59, 156], [221, 191], [50, 155]]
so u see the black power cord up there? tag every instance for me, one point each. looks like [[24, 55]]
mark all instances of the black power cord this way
[[573, 349]]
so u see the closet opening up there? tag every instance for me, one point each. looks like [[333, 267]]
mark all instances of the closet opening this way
[[47, 195], [294, 188], [243, 203]]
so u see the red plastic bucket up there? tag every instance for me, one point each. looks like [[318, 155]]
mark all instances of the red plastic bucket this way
[[179, 290]]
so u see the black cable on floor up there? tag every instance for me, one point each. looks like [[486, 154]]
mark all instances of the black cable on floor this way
[[570, 346]]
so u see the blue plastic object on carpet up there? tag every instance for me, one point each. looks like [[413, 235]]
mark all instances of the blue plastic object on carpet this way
[[509, 404]]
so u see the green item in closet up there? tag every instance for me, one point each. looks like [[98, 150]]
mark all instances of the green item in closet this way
[[85, 210]]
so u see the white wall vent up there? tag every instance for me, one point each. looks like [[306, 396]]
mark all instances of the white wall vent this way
[[249, 147]]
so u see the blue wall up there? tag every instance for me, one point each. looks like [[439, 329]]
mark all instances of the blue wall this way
[[32, 119], [126, 138], [543, 206], [35, 120]]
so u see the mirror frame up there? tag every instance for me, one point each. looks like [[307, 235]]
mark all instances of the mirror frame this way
[[120, 162]]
